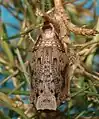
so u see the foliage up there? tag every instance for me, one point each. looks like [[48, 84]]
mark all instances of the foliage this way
[[14, 79]]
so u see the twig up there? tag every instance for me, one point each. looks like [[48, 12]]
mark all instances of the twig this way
[[19, 86], [83, 71], [12, 25], [81, 114], [29, 29], [9, 77], [17, 92], [93, 48], [71, 1], [80, 91], [86, 44], [22, 65]]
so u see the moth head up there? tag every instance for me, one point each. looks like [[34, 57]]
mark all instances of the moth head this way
[[48, 31]]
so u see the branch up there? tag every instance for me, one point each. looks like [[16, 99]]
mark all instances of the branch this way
[[63, 19]]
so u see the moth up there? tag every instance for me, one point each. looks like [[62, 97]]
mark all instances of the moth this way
[[49, 70]]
